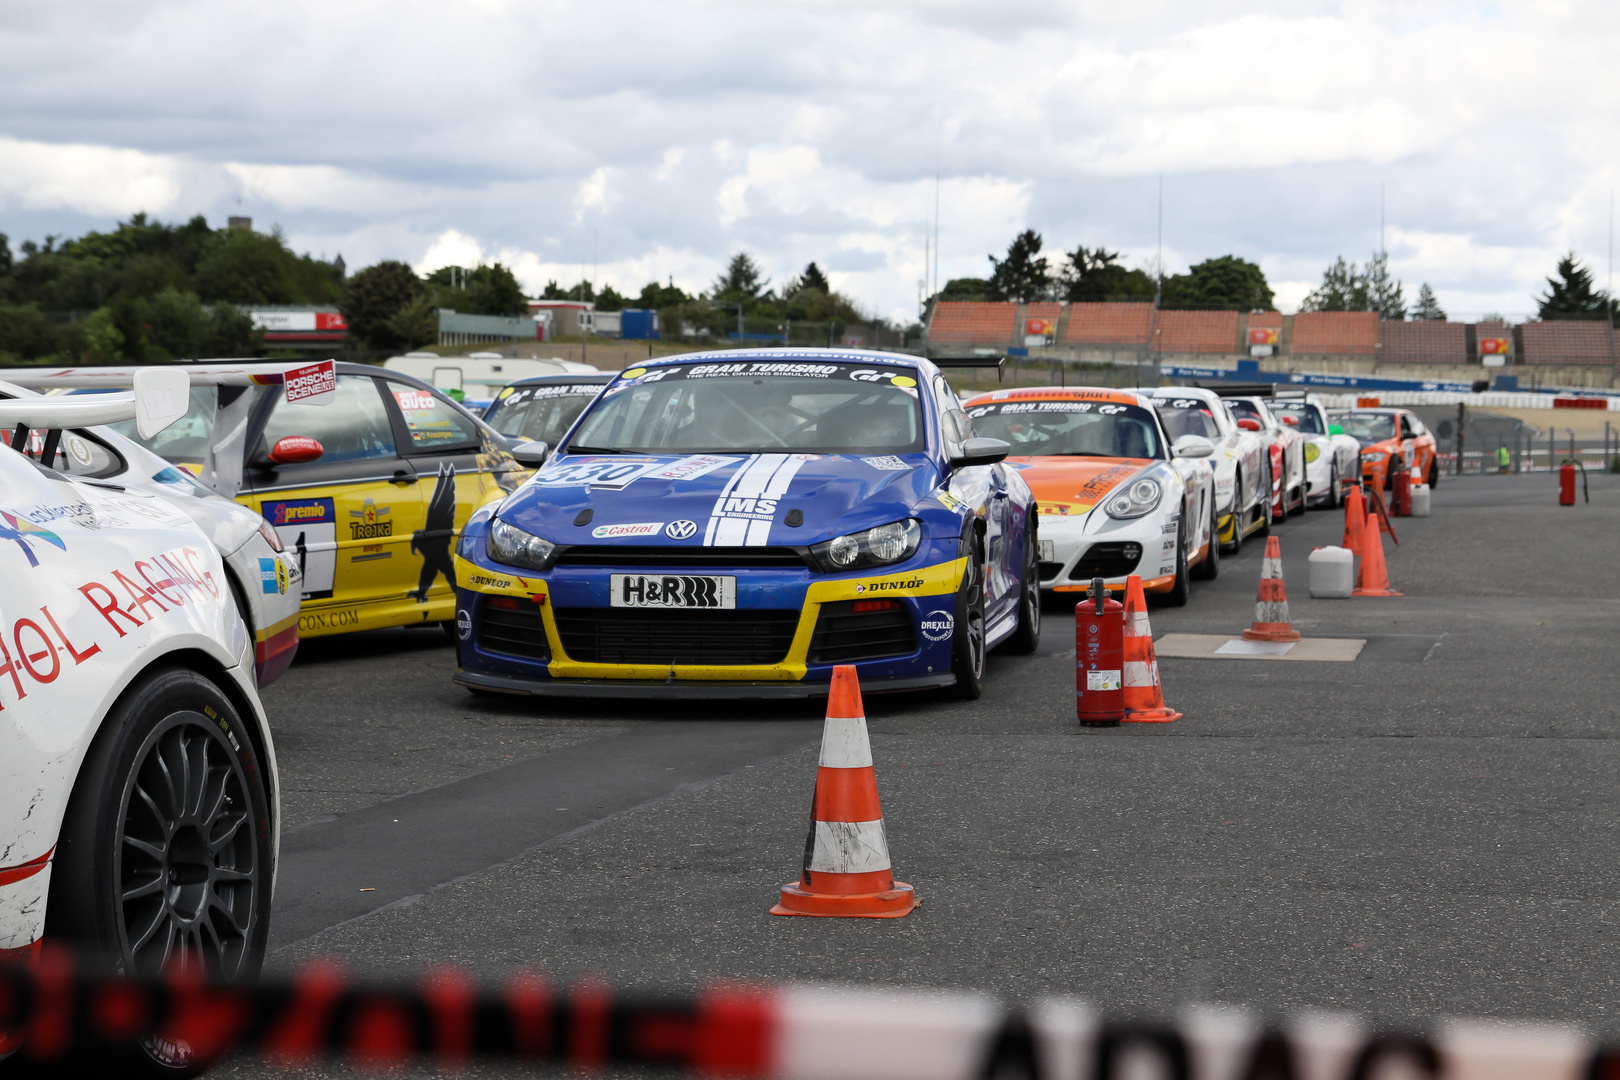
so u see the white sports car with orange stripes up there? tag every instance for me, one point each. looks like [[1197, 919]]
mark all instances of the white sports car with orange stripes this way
[[137, 775], [1116, 497]]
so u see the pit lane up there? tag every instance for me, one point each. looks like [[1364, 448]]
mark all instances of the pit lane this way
[[1426, 829]]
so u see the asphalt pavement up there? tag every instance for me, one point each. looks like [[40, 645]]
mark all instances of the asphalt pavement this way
[[1427, 829]]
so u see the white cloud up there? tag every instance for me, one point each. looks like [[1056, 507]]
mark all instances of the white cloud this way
[[426, 131]]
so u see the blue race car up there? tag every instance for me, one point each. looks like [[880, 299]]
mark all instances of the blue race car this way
[[734, 524]]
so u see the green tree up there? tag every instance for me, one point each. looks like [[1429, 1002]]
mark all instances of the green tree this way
[[656, 297], [967, 288], [1096, 275], [417, 323], [812, 278], [1227, 283], [609, 299], [1023, 275], [1384, 294], [479, 290], [26, 333], [1427, 308], [372, 297], [104, 340], [1343, 288], [5, 254], [743, 280], [1573, 294]]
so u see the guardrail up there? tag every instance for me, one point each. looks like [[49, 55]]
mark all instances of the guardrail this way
[[749, 1032]]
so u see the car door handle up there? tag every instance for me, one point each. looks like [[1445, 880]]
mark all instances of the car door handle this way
[[402, 477]]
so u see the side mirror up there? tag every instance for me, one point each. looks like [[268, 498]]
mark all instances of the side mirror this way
[[1291, 421], [295, 450], [531, 455], [1335, 429], [1248, 423], [1193, 446], [981, 452]]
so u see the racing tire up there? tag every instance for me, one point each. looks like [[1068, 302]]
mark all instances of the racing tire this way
[[1266, 517], [1237, 517], [1181, 587], [969, 634], [1210, 568], [1434, 472], [1026, 636], [165, 853], [1335, 497]]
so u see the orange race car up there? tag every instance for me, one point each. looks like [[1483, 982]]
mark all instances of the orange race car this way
[[1390, 433], [1116, 496]]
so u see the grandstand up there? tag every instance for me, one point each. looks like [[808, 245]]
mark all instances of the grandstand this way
[[1196, 331], [973, 323], [1567, 343], [1107, 324], [1335, 333], [1423, 342]]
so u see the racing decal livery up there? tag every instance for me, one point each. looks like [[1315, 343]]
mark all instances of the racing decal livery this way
[[433, 541], [1115, 499], [742, 526]]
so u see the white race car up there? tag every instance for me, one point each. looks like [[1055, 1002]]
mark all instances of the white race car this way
[[1241, 480], [1331, 460], [263, 578], [1284, 447], [138, 803], [1116, 497]]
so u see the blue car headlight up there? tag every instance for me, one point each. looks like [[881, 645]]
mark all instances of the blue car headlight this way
[[880, 546], [511, 546], [1137, 499]]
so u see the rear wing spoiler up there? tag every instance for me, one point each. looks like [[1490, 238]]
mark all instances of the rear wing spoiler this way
[[945, 363], [305, 383], [159, 397], [1259, 389]]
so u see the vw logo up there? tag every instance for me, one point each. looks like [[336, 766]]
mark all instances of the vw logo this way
[[681, 530]]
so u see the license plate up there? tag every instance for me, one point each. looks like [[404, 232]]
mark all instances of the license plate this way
[[1048, 551], [673, 591]]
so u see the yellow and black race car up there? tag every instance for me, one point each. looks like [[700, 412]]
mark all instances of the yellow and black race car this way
[[368, 482]]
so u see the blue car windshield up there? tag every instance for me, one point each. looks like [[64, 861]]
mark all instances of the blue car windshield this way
[[1069, 428], [540, 413], [756, 407]]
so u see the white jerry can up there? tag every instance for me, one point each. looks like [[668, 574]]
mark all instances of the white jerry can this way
[[1420, 500], [1333, 572]]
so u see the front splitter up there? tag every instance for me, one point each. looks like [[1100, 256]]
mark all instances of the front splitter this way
[[684, 690]]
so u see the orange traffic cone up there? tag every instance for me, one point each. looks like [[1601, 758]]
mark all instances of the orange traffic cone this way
[[1381, 509], [1271, 622], [1374, 576], [1144, 696], [846, 857], [1355, 519]]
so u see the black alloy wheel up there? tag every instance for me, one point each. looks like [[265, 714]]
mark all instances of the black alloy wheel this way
[[1238, 515], [1026, 637], [968, 635], [164, 860], [1335, 497], [1181, 588]]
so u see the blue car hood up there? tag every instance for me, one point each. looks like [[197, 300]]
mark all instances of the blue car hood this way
[[740, 501]]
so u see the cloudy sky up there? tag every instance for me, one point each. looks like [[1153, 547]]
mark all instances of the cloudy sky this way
[[654, 139]]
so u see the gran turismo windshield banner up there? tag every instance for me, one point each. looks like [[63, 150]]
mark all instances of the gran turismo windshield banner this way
[[1069, 428], [753, 406]]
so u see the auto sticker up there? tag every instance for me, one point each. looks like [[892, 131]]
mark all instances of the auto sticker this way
[[743, 513], [692, 467], [890, 586], [432, 541], [614, 474], [645, 528], [25, 534], [309, 529], [370, 522], [937, 626], [886, 463], [272, 577], [1103, 483], [1102, 680], [463, 624]]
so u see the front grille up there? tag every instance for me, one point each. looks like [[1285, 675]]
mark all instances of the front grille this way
[[706, 558], [675, 636], [1111, 560], [850, 630], [513, 627]]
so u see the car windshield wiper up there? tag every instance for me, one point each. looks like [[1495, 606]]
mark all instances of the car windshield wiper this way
[[1080, 453], [598, 450]]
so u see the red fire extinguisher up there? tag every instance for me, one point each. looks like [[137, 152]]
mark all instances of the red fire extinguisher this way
[[1401, 492], [1566, 484], [1099, 658]]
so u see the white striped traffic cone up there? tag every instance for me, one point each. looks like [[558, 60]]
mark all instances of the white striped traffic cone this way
[[1271, 619], [847, 871]]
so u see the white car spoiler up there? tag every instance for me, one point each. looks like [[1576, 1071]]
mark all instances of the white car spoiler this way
[[159, 397], [308, 383]]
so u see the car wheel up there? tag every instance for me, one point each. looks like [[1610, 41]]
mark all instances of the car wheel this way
[[1237, 517], [1181, 588], [1210, 568], [1266, 517], [164, 859], [1335, 487], [1026, 636], [1434, 472], [968, 636]]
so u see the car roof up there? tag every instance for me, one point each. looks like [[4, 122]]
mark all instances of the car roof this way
[[564, 380], [1057, 393], [825, 356]]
